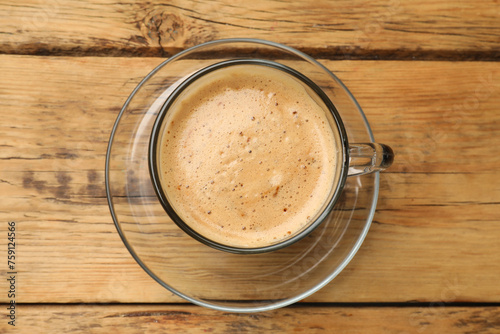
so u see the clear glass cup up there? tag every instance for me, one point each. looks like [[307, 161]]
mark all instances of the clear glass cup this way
[[352, 159], [232, 281]]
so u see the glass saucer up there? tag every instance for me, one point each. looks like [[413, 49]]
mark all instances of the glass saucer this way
[[199, 273]]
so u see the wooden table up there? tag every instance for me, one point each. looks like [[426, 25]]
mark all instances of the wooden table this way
[[426, 74]]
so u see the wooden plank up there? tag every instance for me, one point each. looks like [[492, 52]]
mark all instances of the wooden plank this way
[[429, 29], [435, 235], [128, 319]]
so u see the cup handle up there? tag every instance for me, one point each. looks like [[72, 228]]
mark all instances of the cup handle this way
[[369, 157]]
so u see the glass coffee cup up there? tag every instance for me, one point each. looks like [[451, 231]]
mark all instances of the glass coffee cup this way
[[351, 159]]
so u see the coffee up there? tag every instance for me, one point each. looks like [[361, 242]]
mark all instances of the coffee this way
[[247, 156]]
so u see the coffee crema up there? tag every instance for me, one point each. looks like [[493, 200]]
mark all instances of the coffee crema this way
[[247, 156]]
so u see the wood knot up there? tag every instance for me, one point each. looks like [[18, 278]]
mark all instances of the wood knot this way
[[162, 28]]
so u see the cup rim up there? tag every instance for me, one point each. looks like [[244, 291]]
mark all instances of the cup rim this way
[[157, 132]]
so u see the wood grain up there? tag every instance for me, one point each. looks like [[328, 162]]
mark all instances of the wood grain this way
[[435, 232], [128, 319], [428, 29]]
